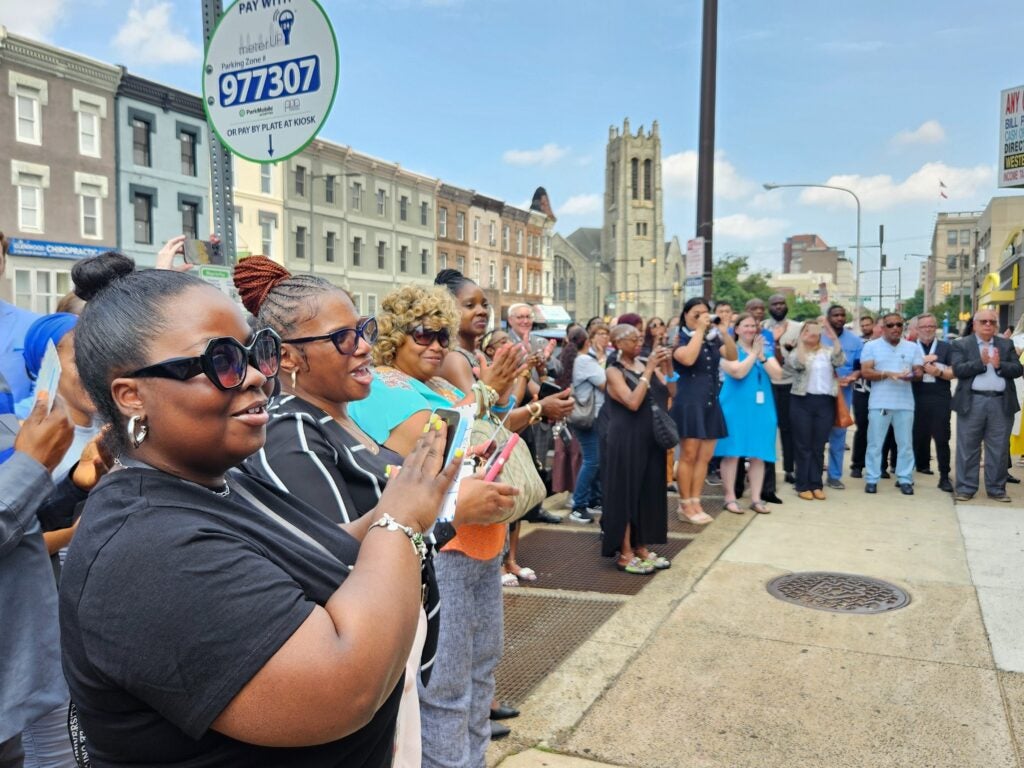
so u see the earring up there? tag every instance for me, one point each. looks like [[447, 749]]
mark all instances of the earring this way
[[137, 431], [295, 375]]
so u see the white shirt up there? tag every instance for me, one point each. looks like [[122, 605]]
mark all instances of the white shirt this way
[[989, 381], [820, 373]]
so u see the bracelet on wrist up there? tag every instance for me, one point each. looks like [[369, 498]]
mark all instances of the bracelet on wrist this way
[[388, 523], [536, 412]]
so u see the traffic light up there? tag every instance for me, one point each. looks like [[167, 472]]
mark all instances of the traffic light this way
[[676, 290], [947, 288]]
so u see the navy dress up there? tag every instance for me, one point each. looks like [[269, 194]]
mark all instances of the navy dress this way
[[695, 407]]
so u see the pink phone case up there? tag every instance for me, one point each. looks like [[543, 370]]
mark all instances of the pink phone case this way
[[494, 470]]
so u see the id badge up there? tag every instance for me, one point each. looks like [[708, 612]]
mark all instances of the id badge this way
[[759, 398]]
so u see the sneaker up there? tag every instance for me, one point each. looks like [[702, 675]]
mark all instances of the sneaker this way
[[837, 484], [581, 516], [870, 488], [856, 472], [597, 509], [713, 478], [1003, 498]]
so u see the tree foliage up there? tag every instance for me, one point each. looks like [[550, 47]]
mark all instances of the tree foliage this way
[[914, 305], [803, 309], [728, 285]]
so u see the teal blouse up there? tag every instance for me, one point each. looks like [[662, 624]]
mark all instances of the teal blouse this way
[[394, 397]]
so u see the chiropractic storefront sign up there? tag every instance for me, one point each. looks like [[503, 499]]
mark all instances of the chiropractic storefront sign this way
[[270, 76]]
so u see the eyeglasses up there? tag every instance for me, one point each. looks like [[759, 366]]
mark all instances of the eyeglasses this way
[[345, 340], [426, 336], [984, 322], [894, 325], [225, 361]]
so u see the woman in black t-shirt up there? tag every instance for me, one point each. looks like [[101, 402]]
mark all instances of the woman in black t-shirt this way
[[207, 618]]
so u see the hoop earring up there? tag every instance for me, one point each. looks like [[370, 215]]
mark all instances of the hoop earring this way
[[137, 432], [295, 375]]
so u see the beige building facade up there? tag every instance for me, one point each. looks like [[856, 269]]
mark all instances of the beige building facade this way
[[258, 195], [948, 269]]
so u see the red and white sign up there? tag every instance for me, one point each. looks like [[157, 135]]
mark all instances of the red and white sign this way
[[1011, 138], [695, 257]]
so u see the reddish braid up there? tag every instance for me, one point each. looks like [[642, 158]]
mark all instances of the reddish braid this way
[[255, 277]]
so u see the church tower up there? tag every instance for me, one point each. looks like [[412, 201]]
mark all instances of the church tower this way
[[633, 236]]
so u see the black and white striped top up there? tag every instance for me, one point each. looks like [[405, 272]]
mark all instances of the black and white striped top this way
[[309, 455]]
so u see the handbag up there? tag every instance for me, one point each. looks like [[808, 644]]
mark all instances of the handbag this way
[[519, 471], [582, 415], [666, 433], [843, 417]]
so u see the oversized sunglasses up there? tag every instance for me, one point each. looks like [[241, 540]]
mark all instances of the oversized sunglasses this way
[[345, 340], [225, 361], [985, 321], [427, 336], [894, 325]]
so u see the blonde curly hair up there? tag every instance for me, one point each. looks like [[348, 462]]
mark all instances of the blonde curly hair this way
[[406, 307]]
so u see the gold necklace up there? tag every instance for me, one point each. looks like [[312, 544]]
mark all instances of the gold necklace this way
[[353, 429]]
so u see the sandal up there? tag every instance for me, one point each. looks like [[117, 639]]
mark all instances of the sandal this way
[[734, 507], [698, 518], [653, 559], [524, 574], [761, 508], [509, 580], [635, 566]]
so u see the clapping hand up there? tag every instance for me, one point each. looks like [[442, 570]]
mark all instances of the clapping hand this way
[[508, 363], [994, 357]]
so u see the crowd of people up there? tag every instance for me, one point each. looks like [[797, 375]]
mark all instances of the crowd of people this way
[[220, 540]]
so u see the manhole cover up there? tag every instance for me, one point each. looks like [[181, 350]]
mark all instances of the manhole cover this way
[[838, 592]]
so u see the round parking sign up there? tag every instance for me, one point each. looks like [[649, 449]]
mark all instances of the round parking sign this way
[[269, 78]]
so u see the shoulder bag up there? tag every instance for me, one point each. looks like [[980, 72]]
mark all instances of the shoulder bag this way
[[519, 471], [666, 433]]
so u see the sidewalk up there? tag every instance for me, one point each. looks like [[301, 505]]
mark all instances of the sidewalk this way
[[704, 668]]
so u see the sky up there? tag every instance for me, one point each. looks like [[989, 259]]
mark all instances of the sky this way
[[887, 98]]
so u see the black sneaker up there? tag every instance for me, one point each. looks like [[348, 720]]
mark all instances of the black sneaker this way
[[581, 516], [871, 488], [856, 472]]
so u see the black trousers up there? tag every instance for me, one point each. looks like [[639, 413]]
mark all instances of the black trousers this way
[[931, 422], [811, 419], [860, 437], [781, 393]]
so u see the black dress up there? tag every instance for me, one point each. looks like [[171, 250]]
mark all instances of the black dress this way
[[634, 485], [695, 407]]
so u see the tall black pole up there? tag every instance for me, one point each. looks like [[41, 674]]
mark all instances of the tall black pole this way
[[706, 147]]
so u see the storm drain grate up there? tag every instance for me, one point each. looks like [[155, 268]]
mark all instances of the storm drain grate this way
[[541, 631], [838, 592], [573, 561]]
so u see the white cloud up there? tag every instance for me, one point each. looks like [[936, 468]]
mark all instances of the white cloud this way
[[33, 19], [546, 155], [882, 191], [148, 37], [679, 177], [740, 226], [929, 132], [581, 205]]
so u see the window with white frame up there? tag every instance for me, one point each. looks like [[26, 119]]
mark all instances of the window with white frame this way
[[328, 188], [268, 223], [519, 242], [519, 279], [357, 196], [300, 242], [382, 202], [476, 270], [357, 251], [30, 202], [89, 131], [403, 259], [39, 290], [460, 225], [442, 261], [424, 214], [371, 304], [188, 142], [424, 261], [442, 222], [381, 253], [460, 263], [265, 178], [490, 235], [476, 229], [403, 208], [506, 277], [506, 234], [27, 106], [491, 274], [330, 240], [529, 245], [300, 181], [90, 197]]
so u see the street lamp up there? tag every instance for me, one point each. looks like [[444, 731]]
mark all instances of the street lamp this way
[[856, 298]]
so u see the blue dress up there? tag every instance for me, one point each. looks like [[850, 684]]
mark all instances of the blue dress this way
[[695, 406], [751, 424]]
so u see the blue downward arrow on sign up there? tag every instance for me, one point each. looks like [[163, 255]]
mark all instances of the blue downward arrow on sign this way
[[270, 144]]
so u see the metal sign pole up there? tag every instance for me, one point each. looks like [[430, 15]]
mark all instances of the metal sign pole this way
[[220, 157]]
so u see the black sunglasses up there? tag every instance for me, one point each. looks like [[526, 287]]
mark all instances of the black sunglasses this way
[[426, 336], [985, 322], [894, 325], [225, 361], [345, 340]]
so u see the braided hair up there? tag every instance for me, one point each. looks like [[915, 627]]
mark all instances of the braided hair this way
[[453, 280], [276, 298]]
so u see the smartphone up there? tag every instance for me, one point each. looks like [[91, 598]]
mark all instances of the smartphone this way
[[202, 252], [453, 420], [497, 462], [459, 422], [548, 388]]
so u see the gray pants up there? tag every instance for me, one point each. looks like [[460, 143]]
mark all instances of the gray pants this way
[[455, 708], [986, 421]]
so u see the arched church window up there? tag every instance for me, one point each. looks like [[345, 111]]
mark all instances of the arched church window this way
[[635, 177], [648, 179]]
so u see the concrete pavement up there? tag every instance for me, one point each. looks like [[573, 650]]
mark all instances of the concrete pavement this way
[[704, 668]]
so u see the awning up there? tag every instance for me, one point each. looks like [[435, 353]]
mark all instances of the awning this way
[[994, 291], [551, 314]]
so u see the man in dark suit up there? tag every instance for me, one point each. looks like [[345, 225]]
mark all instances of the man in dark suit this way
[[985, 402], [933, 402]]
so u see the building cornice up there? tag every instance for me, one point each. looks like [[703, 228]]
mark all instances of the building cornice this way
[[168, 99], [455, 194], [20, 51]]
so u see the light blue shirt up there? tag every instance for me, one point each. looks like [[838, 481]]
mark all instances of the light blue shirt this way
[[14, 324], [901, 358], [989, 381], [852, 347]]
